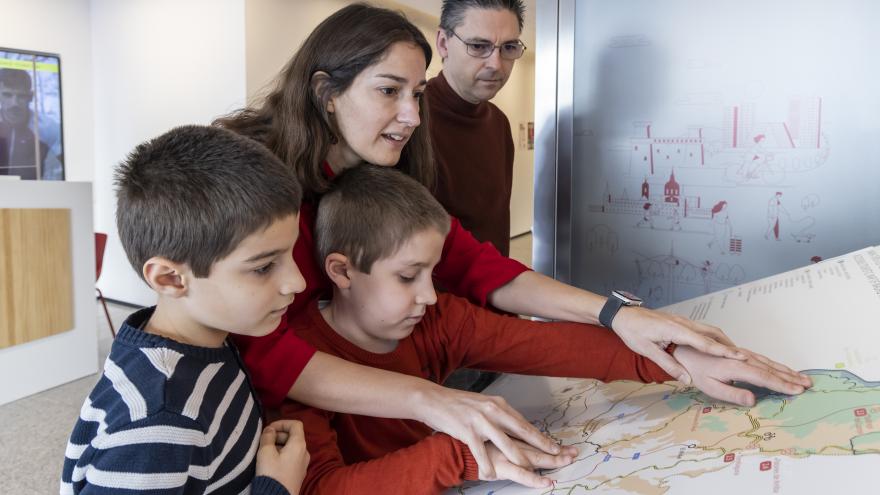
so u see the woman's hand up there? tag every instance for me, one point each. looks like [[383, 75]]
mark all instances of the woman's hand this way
[[644, 331], [480, 421], [649, 333]]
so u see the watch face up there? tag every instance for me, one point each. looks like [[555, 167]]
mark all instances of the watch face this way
[[628, 298]]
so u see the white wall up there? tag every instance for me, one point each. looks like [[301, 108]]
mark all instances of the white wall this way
[[157, 64], [276, 28], [60, 27], [274, 31], [517, 100]]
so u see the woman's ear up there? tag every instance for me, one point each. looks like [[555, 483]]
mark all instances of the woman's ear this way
[[338, 267], [318, 80], [166, 277]]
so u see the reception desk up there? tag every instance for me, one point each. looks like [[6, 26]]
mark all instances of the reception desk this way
[[47, 278]]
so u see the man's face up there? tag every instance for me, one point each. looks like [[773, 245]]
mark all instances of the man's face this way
[[14, 104], [478, 79]]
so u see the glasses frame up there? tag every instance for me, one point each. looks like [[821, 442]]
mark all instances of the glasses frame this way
[[469, 47]]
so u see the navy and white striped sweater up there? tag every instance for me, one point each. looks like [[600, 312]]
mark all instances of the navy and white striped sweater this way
[[166, 418]]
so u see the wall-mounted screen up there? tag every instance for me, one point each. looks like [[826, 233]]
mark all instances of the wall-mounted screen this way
[[31, 137]]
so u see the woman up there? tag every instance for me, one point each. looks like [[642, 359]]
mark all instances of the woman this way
[[351, 94], [322, 118], [721, 229]]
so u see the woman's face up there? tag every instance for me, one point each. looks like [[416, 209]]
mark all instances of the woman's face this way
[[378, 113]]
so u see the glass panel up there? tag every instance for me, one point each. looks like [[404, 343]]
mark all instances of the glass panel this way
[[720, 142]]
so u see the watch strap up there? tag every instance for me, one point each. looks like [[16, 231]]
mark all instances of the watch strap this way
[[609, 310]]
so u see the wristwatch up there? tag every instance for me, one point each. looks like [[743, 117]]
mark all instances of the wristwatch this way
[[617, 300]]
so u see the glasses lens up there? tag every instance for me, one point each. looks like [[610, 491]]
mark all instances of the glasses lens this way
[[481, 50], [512, 50]]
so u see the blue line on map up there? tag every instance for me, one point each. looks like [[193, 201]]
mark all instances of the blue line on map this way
[[607, 458]]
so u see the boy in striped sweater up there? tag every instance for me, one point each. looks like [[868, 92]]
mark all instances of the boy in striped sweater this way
[[208, 219]]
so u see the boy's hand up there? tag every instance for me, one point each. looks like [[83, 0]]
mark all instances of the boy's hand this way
[[282, 455], [648, 332], [475, 419], [525, 474], [712, 375]]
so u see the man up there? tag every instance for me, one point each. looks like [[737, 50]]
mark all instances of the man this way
[[18, 145], [478, 41]]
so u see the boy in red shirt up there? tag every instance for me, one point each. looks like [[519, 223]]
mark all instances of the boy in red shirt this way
[[380, 234]]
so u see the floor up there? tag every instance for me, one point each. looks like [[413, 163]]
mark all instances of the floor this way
[[35, 429]]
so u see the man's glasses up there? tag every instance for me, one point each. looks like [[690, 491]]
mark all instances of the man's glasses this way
[[510, 50]]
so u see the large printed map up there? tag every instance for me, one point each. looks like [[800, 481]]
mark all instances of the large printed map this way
[[655, 439], [666, 438]]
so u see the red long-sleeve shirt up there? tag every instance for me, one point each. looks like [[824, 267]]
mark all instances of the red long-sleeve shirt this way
[[467, 268], [353, 454]]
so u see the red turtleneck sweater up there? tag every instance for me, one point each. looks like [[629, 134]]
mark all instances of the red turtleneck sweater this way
[[473, 149]]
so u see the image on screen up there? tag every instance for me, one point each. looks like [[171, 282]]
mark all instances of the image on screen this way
[[31, 137]]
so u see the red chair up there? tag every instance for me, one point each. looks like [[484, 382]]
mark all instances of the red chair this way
[[100, 244]]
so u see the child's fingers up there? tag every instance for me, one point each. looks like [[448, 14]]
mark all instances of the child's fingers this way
[[506, 445], [525, 477], [542, 460], [287, 425], [281, 438], [512, 422], [766, 378], [286, 428], [728, 393], [792, 375], [777, 369], [295, 441], [267, 438], [478, 449], [662, 359]]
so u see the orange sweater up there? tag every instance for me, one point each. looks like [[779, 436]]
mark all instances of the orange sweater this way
[[353, 454]]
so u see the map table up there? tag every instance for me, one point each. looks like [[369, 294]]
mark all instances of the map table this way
[[669, 438]]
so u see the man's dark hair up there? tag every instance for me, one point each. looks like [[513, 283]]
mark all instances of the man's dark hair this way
[[453, 11], [194, 193], [15, 78], [371, 212]]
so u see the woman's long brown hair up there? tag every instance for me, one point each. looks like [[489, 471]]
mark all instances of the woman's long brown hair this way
[[293, 122]]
